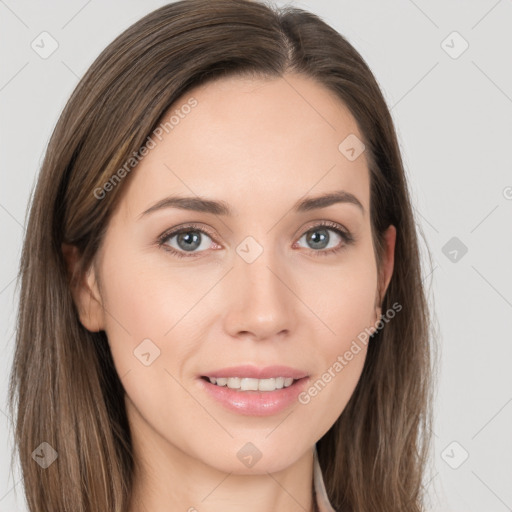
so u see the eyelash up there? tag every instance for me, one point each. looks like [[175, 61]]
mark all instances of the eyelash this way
[[164, 237]]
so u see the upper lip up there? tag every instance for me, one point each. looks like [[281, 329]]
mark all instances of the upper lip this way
[[255, 372]]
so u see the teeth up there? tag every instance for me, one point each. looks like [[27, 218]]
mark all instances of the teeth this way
[[248, 384]]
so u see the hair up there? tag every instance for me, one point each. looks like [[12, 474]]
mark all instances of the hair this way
[[64, 389]]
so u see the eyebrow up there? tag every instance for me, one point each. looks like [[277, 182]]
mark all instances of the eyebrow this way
[[202, 204]]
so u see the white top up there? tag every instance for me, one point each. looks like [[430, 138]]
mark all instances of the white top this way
[[322, 501]]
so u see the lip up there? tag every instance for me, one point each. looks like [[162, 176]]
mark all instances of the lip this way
[[254, 372], [254, 403]]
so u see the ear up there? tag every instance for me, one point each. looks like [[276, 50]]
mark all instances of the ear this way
[[85, 291], [386, 271]]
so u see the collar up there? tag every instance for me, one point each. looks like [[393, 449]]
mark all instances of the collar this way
[[322, 501]]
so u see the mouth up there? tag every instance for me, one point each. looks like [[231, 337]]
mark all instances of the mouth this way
[[252, 384], [252, 396]]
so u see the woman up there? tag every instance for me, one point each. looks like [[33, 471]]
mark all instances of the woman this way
[[186, 340]]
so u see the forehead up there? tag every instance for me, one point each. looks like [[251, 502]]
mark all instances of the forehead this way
[[248, 141]]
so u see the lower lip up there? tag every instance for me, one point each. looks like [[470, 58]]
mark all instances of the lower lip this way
[[255, 403]]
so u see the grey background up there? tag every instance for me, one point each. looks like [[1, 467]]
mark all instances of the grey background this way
[[454, 120]]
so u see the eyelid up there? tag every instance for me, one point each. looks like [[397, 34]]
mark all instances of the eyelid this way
[[323, 223], [189, 226]]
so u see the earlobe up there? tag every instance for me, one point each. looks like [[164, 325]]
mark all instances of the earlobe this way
[[85, 291]]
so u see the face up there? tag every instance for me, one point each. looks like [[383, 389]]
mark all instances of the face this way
[[268, 284]]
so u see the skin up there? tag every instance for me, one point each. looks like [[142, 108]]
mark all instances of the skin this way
[[259, 145]]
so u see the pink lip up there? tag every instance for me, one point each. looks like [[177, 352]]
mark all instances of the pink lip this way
[[254, 372], [255, 403]]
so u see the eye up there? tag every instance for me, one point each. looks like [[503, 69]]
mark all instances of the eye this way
[[320, 240], [188, 239]]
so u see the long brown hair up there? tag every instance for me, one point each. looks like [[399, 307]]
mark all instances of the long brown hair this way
[[64, 389]]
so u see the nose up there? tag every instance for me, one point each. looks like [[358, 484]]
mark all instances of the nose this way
[[261, 303]]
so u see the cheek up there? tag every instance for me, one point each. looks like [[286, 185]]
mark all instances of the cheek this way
[[328, 393], [342, 356], [147, 301], [154, 315], [137, 312], [151, 337], [347, 310], [343, 298]]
